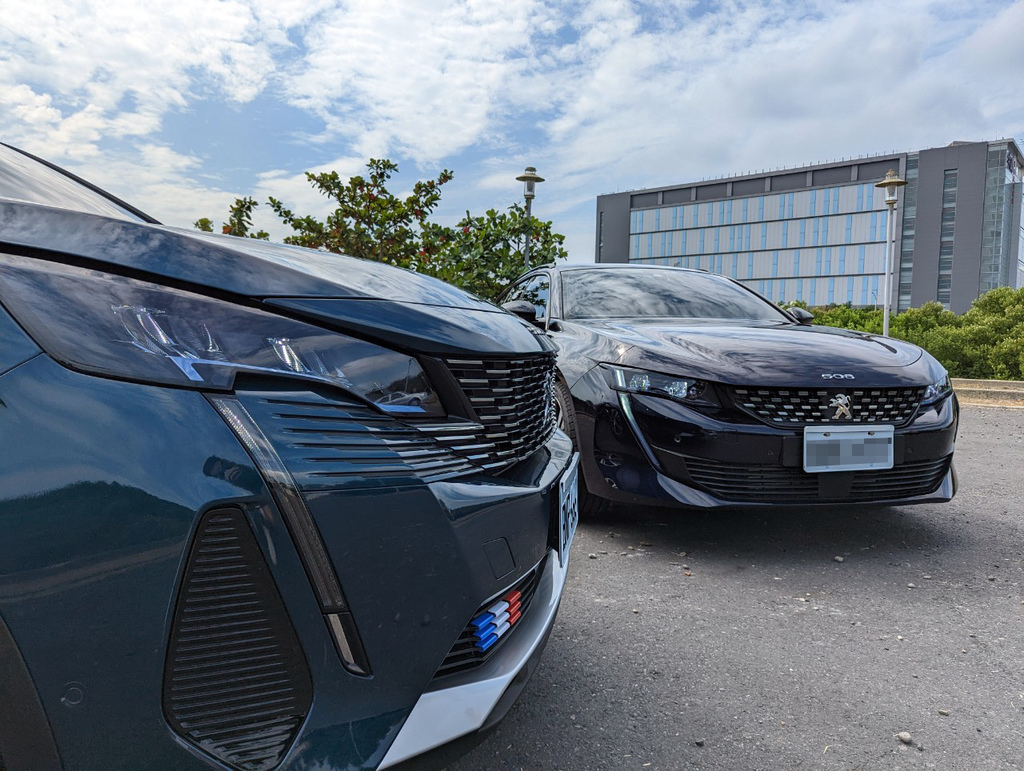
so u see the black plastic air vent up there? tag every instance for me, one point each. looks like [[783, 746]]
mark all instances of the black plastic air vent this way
[[780, 484], [236, 683]]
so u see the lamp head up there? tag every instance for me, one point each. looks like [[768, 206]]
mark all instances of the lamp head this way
[[891, 183], [529, 178]]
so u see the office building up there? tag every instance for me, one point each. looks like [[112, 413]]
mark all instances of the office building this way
[[817, 233]]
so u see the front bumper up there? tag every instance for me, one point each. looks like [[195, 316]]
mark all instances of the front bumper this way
[[103, 503], [462, 704], [654, 451]]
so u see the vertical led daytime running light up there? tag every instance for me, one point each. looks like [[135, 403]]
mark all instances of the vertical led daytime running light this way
[[303, 530]]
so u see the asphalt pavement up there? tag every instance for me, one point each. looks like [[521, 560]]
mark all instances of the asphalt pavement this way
[[792, 638]]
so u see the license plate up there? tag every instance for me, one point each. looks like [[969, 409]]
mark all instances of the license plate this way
[[847, 448], [568, 508]]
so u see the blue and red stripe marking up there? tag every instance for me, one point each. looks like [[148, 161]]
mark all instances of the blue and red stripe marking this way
[[496, 620]]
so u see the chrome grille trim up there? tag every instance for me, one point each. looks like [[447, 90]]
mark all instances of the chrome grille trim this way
[[513, 401], [809, 406], [330, 440], [326, 441]]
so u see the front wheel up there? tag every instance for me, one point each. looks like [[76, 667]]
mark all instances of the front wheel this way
[[565, 414]]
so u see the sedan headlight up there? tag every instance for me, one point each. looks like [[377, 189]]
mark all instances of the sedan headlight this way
[[638, 381], [124, 328], [938, 390]]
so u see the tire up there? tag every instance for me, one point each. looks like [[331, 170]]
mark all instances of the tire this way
[[566, 417]]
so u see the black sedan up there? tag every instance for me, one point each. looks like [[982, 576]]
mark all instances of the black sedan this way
[[685, 388], [261, 506]]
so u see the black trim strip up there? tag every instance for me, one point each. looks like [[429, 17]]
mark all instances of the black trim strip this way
[[303, 529]]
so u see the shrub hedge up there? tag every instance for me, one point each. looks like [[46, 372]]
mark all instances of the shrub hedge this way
[[987, 342]]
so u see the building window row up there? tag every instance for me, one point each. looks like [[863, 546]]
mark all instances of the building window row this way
[[906, 270], [782, 263], [763, 208], [860, 291], [841, 230], [947, 233]]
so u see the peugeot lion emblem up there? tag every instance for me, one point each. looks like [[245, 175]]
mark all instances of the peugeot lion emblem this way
[[842, 404]]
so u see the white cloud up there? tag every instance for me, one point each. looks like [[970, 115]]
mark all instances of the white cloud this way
[[600, 95], [113, 70], [752, 85], [26, 106], [422, 79]]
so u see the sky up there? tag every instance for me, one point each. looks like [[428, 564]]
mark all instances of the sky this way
[[179, 108]]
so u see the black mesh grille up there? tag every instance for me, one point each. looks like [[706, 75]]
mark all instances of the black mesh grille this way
[[464, 654], [236, 683], [781, 484], [513, 400], [917, 478], [800, 407]]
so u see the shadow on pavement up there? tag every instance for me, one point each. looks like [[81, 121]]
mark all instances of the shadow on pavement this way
[[786, 533]]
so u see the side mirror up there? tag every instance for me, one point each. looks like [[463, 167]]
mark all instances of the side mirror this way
[[522, 309], [801, 315]]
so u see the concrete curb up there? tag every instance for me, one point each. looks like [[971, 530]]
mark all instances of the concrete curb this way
[[998, 392]]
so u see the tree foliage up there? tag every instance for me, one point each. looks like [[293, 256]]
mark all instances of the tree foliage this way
[[487, 253], [986, 342], [481, 254], [368, 220], [239, 221]]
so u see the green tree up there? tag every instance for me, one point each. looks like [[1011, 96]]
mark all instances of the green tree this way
[[847, 317], [481, 254], [487, 253], [239, 221], [993, 332], [369, 221], [985, 342]]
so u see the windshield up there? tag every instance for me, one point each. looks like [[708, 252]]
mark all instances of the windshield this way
[[659, 293], [25, 179]]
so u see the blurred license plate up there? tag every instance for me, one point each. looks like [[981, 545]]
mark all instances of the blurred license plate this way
[[568, 508], [847, 448]]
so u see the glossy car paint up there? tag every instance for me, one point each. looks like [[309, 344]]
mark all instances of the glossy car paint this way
[[241, 267], [15, 346], [636, 458], [103, 482]]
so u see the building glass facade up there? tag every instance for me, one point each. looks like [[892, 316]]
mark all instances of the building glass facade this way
[[780, 244], [818, 234], [997, 237]]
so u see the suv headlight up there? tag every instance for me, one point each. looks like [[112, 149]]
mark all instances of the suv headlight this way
[[638, 381], [124, 328], [938, 390]]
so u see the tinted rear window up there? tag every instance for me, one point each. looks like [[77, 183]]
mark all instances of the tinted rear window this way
[[24, 179], [655, 293]]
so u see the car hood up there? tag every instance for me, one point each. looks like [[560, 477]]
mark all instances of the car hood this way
[[380, 302], [763, 353], [243, 266]]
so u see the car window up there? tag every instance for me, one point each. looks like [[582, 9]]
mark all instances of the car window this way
[[25, 179], [536, 291], [596, 294]]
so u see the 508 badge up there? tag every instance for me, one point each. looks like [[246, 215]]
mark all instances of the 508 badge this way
[[837, 376]]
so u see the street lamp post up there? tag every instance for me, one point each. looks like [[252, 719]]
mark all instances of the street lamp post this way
[[529, 179], [891, 184]]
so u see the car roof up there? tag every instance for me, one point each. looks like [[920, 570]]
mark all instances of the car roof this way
[[616, 266], [623, 266]]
